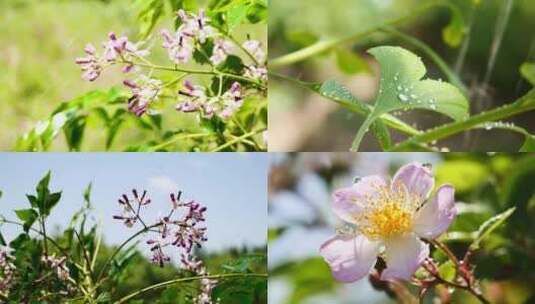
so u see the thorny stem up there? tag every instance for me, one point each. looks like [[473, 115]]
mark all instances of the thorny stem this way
[[446, 250], [324, 45], [189, 279], [467, 281], [524, 104]]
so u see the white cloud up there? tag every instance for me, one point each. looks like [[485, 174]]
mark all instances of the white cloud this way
[[163, 183]]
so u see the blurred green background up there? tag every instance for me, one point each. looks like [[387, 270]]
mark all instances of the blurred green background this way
[[300, 187], [39, 42], [301, 121]]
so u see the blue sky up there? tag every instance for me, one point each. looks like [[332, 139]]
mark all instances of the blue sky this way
[[232, 185]]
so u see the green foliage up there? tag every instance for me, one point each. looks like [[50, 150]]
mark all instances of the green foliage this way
[[111, 273], [72, 116], [453, 34], [528, 72], [149, 13], [350, 62], [401, 87], [489, 226]]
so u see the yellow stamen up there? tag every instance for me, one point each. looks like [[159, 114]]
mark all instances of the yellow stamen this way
[[388, 212]]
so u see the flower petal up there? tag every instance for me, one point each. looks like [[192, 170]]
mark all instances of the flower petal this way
[[417, 179], [437, 214], [403, 257], [350, 258], [348, 202]]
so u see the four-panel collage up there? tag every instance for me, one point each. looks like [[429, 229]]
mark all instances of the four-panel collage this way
[[267, 151]]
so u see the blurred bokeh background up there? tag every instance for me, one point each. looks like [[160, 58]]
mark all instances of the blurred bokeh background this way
[[303, 121], [39, 43], [300, 220]]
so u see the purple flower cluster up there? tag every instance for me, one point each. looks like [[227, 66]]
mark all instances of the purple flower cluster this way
[[194, 99], [181, 228], [115, 50], [192, 34], [7, 271], [58, 265], [180, 45], [196, 266], [132, 207], [144, 91]]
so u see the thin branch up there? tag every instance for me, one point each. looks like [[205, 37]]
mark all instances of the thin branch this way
[[118, 249], [324, 45], [189, 279], [237, 140], [524, 104], [86, 257]]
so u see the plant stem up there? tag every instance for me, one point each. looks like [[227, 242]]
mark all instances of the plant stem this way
[[361, 109], [242, 128], [43, 228], [322, 46], [198, 72], [86, 256], [470, 289], [51, 240], [118, 249], [524, 104], [237, 140], [446, 250], [177, 138], [189, 279]]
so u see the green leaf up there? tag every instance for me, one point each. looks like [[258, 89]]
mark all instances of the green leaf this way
[[150, 12], [447, 270], [401, 87], [74, 132], [301, 38], [489, 226], [1, 193], [42, 190], [350, 62], [529, 144], [50, 202], [257, 12], [527, 70], [187, 5], [87, 195], [453, 34], [464, 174], [2, 240], [27, 216], [236, 14], [104, 297]]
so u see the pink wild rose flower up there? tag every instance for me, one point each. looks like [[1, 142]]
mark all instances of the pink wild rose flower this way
[[390, 218]]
